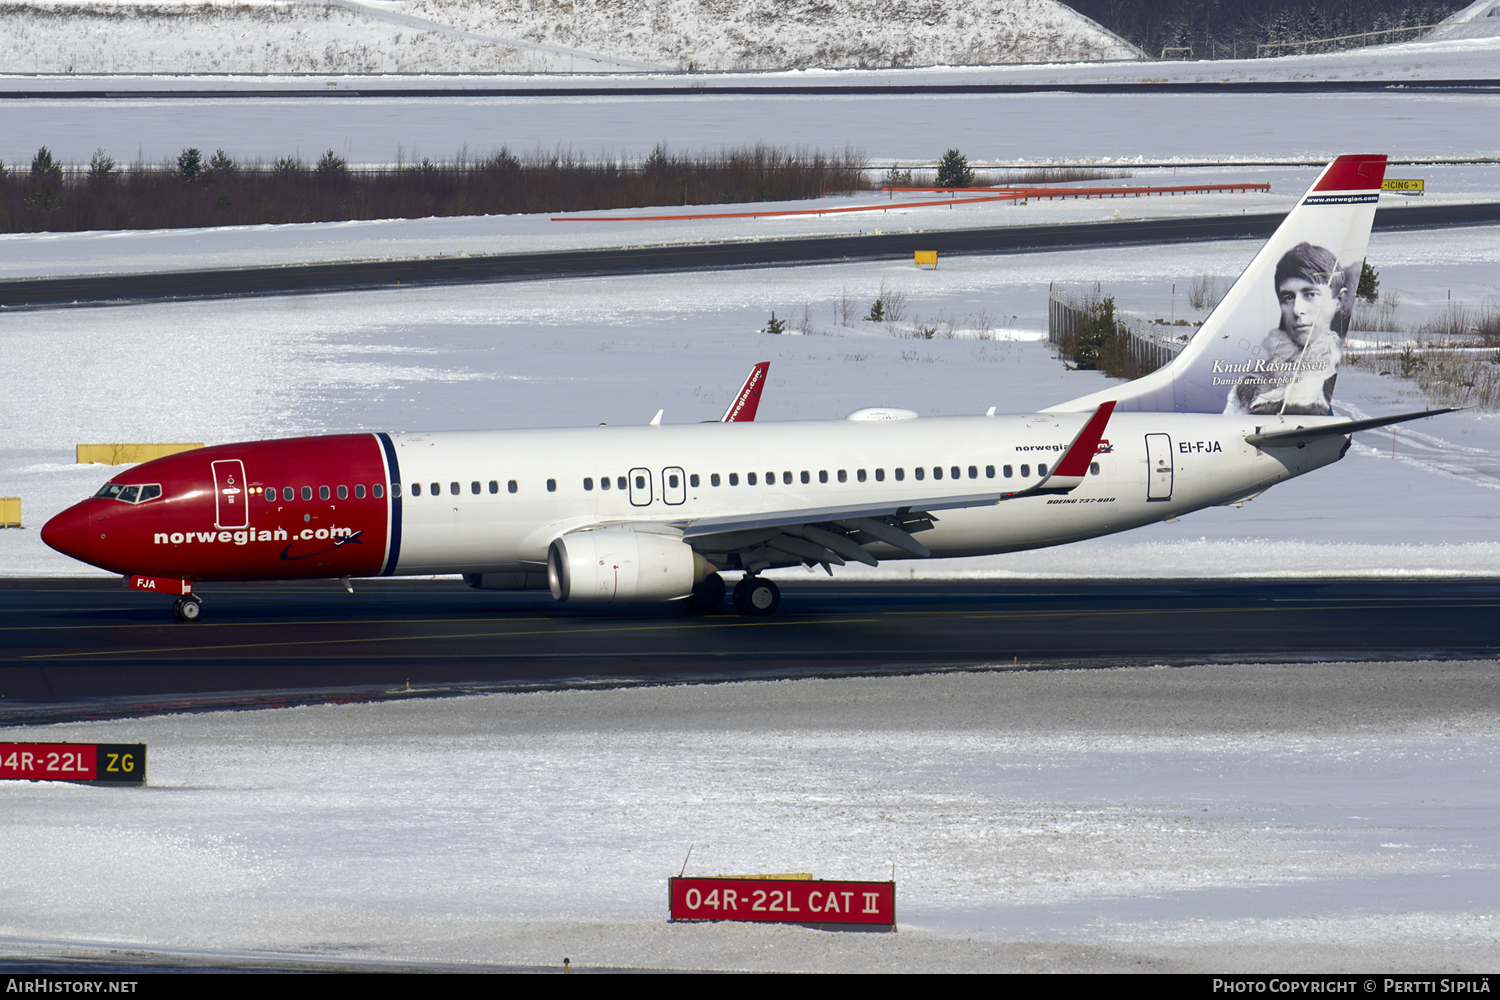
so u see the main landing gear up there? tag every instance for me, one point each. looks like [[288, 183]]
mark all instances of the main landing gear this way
[[187, 609], [752, 595], [755, 596]]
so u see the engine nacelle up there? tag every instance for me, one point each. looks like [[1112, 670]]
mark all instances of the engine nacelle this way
[[620, 564]]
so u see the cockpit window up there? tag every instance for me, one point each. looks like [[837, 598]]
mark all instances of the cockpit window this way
[[129, 494]]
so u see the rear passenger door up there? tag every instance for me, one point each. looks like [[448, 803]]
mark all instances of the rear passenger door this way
[[1159, 467]]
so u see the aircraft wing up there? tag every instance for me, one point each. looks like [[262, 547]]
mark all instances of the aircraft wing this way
[[836, 533]]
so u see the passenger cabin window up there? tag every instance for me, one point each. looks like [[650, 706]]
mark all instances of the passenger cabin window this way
[[900, 475], [880, 475], [307, 492], [937, 472], [323, 493], [378, 491], [1025, 472], [1007, 472], [343, 493], [955, 472], [919, 472], [860, 475], [750, 478], [973, 472], [288, 494], [359, 491], [734, 479], [453, 488], [770, 479], [640, 482], [552, 486], [713, 480], [805, 477], [822, 475], [1041, 470], [416, 489], [494, 486], [511, 485], [786, 479], [693, 480], [1093, 468], [843, 475], [588, 484], [989, 472], [474, 487]]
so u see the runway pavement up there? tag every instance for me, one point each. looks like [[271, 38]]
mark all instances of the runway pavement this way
[[354, 275], [88, 648]]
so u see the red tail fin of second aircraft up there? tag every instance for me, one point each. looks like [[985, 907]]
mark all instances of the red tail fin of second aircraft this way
[[747, 401]]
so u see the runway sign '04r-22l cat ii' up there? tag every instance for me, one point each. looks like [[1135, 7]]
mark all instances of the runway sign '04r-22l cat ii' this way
[[656, 513]]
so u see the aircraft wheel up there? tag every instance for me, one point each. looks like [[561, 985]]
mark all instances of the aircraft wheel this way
[[708, 593], [755, 596], [187, 609]]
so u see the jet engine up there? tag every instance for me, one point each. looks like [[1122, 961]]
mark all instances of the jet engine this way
[[622, 564]]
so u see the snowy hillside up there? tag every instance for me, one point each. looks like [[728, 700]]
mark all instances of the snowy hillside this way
[[767, 34], [528, 36]]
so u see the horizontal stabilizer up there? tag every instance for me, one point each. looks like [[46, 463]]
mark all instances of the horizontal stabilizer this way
[[1300, 435]]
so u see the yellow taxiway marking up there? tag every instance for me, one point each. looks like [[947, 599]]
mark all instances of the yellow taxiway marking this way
[[456, 635]]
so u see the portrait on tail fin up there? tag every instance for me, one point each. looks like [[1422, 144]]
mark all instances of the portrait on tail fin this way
[[1302, 353]]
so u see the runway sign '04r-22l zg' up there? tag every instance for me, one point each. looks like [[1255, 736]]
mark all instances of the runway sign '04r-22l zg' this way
[[656, 513]]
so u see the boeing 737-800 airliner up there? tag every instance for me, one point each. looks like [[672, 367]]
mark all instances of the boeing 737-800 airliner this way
[[656, 513]]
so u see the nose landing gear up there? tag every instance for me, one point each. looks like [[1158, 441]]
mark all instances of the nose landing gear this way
[[187, 609]]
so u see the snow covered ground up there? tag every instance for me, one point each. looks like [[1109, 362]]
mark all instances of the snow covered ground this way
[[905, 128], [50, 254], [1214, 819]]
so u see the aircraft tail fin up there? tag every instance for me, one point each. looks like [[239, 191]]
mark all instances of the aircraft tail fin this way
[[747, 400], [1273, 344]]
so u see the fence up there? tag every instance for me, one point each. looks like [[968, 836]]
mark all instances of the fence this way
[[1342, 42], [1148, 348]]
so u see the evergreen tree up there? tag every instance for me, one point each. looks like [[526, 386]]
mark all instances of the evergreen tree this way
[[954, 171], [44, 168], [101, 167], [1369, 282], [189, 164]]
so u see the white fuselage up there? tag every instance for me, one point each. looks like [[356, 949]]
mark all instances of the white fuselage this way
[[1157, 466]]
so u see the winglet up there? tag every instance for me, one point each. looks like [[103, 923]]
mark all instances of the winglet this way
[[747, 401], [1074, 464]]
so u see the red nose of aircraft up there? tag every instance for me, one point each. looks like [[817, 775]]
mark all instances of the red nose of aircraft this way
[[68, 532]]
